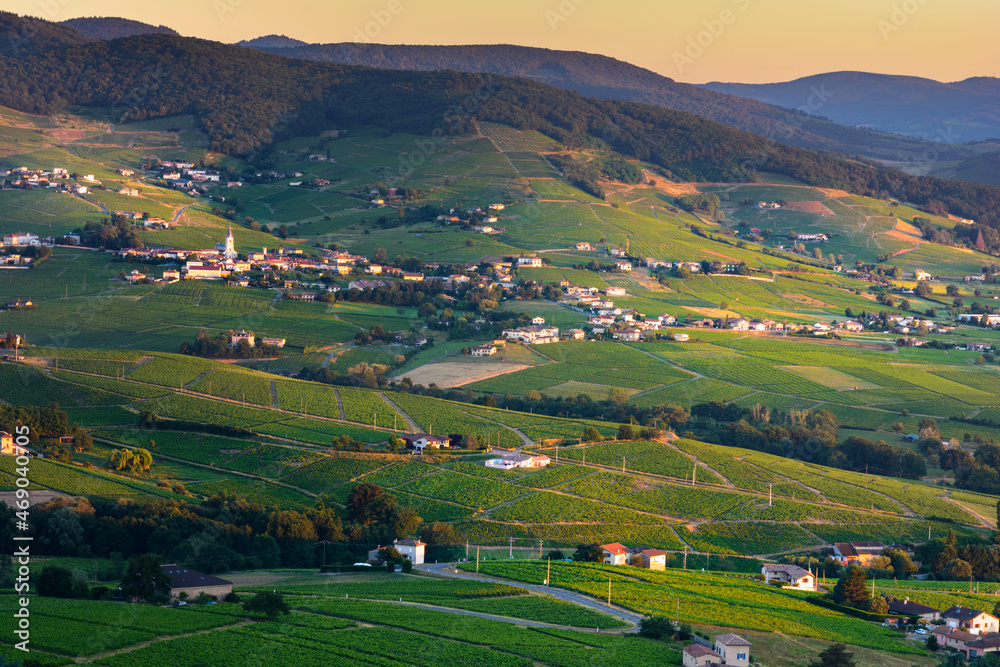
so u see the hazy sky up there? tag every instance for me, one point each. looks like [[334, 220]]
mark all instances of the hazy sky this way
[[688, 40]]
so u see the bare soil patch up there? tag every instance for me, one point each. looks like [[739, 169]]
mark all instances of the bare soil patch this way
[[814, 207], [448, 374]]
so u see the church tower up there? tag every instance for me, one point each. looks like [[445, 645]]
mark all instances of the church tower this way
[[230, 250]]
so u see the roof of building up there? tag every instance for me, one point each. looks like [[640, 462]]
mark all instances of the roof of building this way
[[908, 608], [653, 552], [616, 548], [989, 641], [182, 577], [698, 650], [732, 640], [409, 543], [425, 436], [859, 548], [960, 613], [793, 571]]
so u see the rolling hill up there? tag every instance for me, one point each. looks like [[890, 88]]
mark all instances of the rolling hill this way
[[602, 77], [110, 27], [943, 113]]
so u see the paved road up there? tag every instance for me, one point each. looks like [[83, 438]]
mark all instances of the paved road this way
[[448, 570]]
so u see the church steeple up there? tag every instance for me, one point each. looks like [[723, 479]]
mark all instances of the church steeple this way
[[230, 250]]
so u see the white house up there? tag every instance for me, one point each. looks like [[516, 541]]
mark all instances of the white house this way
[[681, 337], [793, 575], [422, 441], [623, 265], [412, 549], [529, 261], [970, 620], [735, 650], [511, 461], [616, 554]]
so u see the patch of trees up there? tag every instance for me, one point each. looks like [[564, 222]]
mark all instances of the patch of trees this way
[[218, 347], [49, 421], [708, 204], [584, 175], [228, 531], [114, 234]]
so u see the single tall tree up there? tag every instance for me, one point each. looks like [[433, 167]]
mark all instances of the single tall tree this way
[[144, 577], [851, 589]]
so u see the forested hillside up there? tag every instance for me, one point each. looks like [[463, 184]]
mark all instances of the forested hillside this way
[[252, 97]]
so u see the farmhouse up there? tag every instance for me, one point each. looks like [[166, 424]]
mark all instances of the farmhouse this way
[[273, 342], [615, 291], [575, 334], [970, 620], [533, 334], [422, 441], [19, 303], [954, 639], [483, 350], [921, 275], [411, 549], [583, 245], [7, 447], [623, 265], [538, 320], [20, 238], [681, 337], [735, 650], [510, 461], [236, 337], [129, 192], [794, 575], [616, 554], [975, 318], [192, 582], [906, 608], [980, 647], [529, 261], [651, 559], [628, 335], [857, 553], [699, 655]]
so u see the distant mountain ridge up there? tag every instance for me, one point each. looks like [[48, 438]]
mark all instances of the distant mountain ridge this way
[[955, 112], [604, 77], [112, 27]]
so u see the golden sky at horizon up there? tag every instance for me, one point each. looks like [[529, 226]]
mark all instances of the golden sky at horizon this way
[[752, 41]]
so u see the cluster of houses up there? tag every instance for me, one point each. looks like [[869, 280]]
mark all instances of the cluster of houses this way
[[56, 179], [971, 632], [185, 176], [645, 557]]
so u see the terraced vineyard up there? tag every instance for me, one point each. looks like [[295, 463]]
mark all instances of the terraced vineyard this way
[[642, 456]]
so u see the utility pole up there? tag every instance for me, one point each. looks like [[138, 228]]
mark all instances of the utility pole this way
[[677, 620], [866, 477], [770, 486], [477, 559], [539, 549], [694, 474], [685, 565], [707, 554], [548, 572], [609, 591], [466, 548], [623, 464], [510, 555]]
